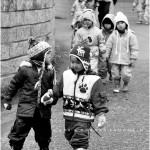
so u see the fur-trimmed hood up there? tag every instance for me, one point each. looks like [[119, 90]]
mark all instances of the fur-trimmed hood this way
[[29, 64]]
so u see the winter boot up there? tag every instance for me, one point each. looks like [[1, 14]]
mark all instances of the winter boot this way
[[117, 86], [80, 149], [125, 87]]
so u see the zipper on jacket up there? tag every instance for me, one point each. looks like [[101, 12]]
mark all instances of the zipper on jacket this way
[[75, 83], [119, 50]]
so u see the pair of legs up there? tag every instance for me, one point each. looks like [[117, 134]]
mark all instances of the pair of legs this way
[[103, 9], [22, 126], [119, 72], [140, 15], [146, 15], [77, 133]]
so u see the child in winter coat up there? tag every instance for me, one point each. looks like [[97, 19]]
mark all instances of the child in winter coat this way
[[84, 98], [76, 10], [122, 51], [90, 35], [107, 29], [146, 13], [139, 5], [33, 79]]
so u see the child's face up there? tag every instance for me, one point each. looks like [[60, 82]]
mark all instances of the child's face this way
[[76, 64], [87, 22], [107, 26], [121, 25], [48, 58]]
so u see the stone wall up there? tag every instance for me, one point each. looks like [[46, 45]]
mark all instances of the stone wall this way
[[21, 19]]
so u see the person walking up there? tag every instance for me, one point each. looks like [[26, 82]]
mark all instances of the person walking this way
[[84, 97], [146, 13], [32, 81], [139, 6], [108, 24], [122, 51], [103, 9], [90, 35], [76, 10]]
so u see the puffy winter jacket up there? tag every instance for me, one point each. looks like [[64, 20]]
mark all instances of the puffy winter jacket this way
[[121, 48], [24, 82]]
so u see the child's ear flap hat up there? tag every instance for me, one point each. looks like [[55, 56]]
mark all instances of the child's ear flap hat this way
[[82, 52], [36, 48]]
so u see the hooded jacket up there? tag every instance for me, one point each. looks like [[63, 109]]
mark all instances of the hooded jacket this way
[[92, 37], [106, 33], [121, 48]]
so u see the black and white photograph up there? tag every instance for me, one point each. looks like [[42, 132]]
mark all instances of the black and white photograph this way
[[74, 75]]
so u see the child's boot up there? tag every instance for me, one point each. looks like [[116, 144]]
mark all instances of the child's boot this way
[[80, 149], [117, 86], [125, 87]]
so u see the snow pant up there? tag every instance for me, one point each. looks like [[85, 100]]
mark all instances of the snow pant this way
[[102, 69], [77, 133], [22, 126], [120, 71], [103, 9], [140, 15]]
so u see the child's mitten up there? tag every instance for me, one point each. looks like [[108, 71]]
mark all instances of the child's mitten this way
[[101, 121], [47, 97], [7, 106]]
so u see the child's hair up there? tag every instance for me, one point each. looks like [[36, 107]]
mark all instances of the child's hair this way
[[108, 21]]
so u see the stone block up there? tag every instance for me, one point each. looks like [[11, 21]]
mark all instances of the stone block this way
[[23, 32], [42, 16], [8, 35], [8, 5], [19, 49], [11, 66], [5, 16], [21, 17], [5, 48], [38, 30], [48, 14], [33, 4]]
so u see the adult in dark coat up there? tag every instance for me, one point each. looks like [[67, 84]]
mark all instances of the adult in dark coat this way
[[103, 9]]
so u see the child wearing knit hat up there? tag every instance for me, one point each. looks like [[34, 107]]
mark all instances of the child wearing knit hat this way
[[33, 79], [122, 51], [84, 98]]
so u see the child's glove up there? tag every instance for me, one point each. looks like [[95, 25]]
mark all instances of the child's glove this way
[[101, 121], [132, 64], [47, 97], [7, 106]]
